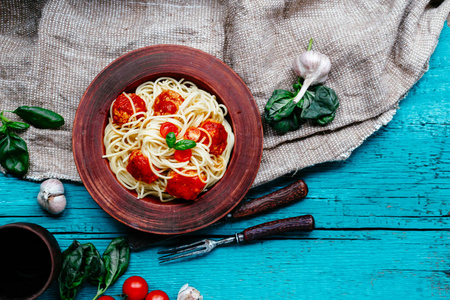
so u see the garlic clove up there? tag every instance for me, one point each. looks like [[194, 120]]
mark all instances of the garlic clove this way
[[189, 293], [42, 200], [312, 64], [50, 196], [52, 187], [56, 204]]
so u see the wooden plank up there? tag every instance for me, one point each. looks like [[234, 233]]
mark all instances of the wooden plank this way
[[324, 265]]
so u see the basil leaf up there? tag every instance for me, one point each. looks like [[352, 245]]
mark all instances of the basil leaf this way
[[325, 103], [280, 105], [40, 117], [326, 119], [94, 266], [171, 139], [184, 145], [289, 123], [83, 262], [116, 259], [319, 104], [3, 129], [72, 272], [18, 125], [14, 155]]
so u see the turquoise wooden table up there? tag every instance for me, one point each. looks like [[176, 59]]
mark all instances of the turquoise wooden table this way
[[382, 219]]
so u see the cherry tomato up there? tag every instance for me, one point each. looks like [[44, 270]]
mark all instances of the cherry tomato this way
[[193, 133], [135, 287], [183, 155], [106, 298], [157, 295], [168, 127]]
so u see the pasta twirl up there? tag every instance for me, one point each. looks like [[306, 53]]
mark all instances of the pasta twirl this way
[[182, 104]]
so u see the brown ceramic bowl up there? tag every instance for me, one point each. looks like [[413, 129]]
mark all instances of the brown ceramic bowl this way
[[30, 260], [125, 74]]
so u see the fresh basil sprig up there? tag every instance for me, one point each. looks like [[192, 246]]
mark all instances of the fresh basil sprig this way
[[73, 271], [318, 104], [116, 259], [95, 267], [14, 155], [171, 141], [82, 262]]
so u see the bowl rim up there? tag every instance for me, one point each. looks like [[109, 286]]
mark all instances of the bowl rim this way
[[53, 248], [164, 57]]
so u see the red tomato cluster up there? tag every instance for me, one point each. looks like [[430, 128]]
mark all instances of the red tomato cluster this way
[[136, 288]]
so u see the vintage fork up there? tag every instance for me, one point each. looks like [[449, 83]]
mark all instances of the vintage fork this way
[[301, 223]]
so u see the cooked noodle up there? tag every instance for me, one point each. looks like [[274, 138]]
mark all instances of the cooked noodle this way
[[142, 131]]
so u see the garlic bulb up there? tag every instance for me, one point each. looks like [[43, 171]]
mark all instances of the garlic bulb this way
[[189, 293], [313, 67], [51, 196]]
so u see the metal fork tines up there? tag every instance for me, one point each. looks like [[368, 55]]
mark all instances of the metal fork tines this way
[[194, 249], [301, 223]]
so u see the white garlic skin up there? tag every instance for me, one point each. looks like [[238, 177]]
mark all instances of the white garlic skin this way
[[312, 64], [51, 196], [189, 293], [52, 187]]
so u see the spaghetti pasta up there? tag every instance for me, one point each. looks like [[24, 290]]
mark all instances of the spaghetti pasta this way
[[192, 110]]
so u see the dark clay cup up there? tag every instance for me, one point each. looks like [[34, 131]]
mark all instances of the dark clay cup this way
[[30, 260]]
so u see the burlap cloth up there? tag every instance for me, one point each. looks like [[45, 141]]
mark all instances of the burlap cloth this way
[[51, 50]]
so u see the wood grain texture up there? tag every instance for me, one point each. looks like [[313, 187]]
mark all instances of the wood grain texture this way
[[287, 195], [382, 220], [125, 74], [272, 228]]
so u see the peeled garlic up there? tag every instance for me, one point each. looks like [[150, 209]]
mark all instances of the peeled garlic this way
[[189, 293], [51, 196], [313, 67]]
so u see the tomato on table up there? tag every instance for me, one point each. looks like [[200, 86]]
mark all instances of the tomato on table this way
[[135, 287], [157, 295], [168, 127], [183, 155]]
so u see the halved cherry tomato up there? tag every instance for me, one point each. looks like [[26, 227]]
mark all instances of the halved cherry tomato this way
[[183, 155], [193, 133], [168, 127], [135, 287], [104, 297], [157, 295]]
